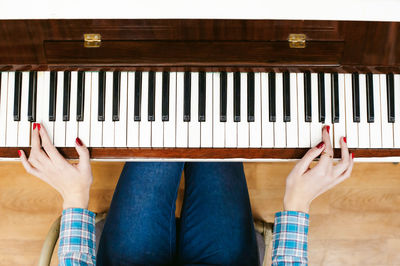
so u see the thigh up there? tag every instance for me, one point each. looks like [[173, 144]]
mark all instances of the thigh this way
[[216, 225], [140, 225]]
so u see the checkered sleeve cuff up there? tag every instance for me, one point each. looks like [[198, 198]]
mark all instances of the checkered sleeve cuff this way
[[290, 238], [77, 237]]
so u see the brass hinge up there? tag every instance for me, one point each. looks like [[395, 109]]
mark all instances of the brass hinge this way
[[92, 40], [297, 40]]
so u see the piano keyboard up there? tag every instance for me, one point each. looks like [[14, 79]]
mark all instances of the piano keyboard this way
[[200, 109]]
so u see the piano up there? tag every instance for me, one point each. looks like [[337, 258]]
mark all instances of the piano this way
[[200, 88]]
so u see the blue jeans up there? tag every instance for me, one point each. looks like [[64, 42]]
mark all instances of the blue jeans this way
[[216, 224]]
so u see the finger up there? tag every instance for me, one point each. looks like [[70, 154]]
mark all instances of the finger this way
[[30, 169], [36, 150], [48, 146], [84, 156], [326, 157], [346, 174], [311, 154], [344, 162]]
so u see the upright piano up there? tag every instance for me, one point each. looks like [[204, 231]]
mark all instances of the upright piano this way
[[200, 88]]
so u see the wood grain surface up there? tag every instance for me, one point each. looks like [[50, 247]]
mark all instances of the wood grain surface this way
[[356, 223]]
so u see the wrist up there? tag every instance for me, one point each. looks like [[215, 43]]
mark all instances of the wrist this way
[[296, 205], [76, 201]]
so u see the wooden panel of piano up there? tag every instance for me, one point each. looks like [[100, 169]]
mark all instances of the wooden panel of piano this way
[[201, 45]]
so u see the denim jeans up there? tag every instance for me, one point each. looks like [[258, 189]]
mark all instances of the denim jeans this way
[[216, 224]]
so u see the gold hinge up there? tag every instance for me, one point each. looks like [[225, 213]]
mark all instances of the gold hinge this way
[[297, 40], [92, 40]]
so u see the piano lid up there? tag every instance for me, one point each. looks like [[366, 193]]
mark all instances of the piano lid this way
[[359, 10]]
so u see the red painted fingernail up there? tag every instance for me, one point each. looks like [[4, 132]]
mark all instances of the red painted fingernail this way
[[328, 128], [34, 126], [319, 146], [352, 155], [78, 141], [344, 139], [19, 153], [38, 127]]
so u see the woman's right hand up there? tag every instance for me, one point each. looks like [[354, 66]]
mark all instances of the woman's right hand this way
[[303, 184]]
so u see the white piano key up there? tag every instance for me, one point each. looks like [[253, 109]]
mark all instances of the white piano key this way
[[255, 127], [280, 126], [267, 127], [315, 126], [108, 123], [121, 125], [230, 125], [218, 127], [132, 125], [243, 125], [194, 124], [59, 124], [72, 124], [304, 127], [12, 126], [169, 126], [363, 126], [376, 127], [340, 128], [3, 108], [387, 128], [157, 129], [396, 125], [328, 105], [206, 127], [291, 127], [49, 125], [181, 126], [84, 126], [96, 126], [24, 129], [351, 126]]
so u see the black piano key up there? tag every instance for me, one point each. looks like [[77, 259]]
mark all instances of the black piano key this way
[[223, 96], [307, 97], [138, 96], [53, 95], [390, 97], [102, 96], [67, 95], [202, 96], [321, 97], [186, 96], [356, 97], [236, 97], [272, 96], [165, 96], [32, 96], [152, 96], [335, 97], [286, 97], [116, 95], [370, 98], [80, 99], [250, 97], [17, 96]]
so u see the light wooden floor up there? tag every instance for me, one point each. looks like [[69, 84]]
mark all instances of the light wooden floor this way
[[357, 223]]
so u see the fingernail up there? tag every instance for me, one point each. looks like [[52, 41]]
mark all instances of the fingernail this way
[[19, 153], [38, 126], [78, 141], [34, 126], [344, 139], [352, 155], [320, 145], [328, 128]]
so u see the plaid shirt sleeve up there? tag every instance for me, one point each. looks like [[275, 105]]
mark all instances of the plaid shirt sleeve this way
[[77, 238], [290, 238]]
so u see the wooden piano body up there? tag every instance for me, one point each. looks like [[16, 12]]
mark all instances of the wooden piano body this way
[[201, 45]]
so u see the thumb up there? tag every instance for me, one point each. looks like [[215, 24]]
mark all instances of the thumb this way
[[84, 156], [311, 154]]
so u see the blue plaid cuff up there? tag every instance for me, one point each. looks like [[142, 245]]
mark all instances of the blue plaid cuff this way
[[290, 238], [77, 237]]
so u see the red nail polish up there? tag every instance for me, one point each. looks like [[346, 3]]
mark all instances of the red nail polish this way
[[328, 128], [38, 126], [319, 146], [19, 153], [352, 155], [344, 139], [78, 141], [34, 126]]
